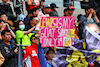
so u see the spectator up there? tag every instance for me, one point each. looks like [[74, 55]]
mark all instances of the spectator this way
[[32, 52], [78, 21], [30, 4], [6, 8], [22, 36], [53, 10], [2, 27], [78, 18], [41, 5], [5, 19], [45, 12], [32, 22], [35, 11], [87, 18], [18, 6], [30, 13], [69, 12], [94, 27], [49, 53], [9, 50]]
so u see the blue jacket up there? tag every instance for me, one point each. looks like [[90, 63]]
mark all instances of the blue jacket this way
[[42, 59]]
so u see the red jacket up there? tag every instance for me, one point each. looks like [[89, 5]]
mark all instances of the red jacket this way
[[31, 56]]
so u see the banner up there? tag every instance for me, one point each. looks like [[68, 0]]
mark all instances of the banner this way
[[75, 58], [87, 52], [92, 39], [56, 31]]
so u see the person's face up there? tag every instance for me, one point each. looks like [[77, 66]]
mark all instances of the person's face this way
[[65, 13], [42, 3], [6, 37], [5, 1], [1, 24], [88, 11], [50, 55], [37, 11], [4, 18], [94, 27], [36, 41], [47, 10], [70, 12], [21, 23], [33, 21]]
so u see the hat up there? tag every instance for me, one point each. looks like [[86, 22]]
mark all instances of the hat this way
[[49, 49], [53, 5], [46, 6], [70, 8], [34, 9], [34, 36], [20, 17], [65, 10]]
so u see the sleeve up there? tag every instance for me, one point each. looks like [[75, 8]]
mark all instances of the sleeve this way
[[19, 34], [1, 10], [5, 54], [26, 53], [14, 3], [10, 9], [41, 57], [54, 14], [83, 19], [30, 34]]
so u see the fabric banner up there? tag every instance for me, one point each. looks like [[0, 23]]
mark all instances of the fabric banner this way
[[75, 58], [56, 31], [92, 39], [87, 52]]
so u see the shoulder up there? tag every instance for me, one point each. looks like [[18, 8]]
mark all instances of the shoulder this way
[[8, 4], [19, 31], [1, 3], [2, 45]]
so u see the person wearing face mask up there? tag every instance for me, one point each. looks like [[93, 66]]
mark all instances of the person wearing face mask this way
[[22, 36]]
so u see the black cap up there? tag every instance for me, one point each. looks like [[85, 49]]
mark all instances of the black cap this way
[[53, 5], [70, 8], [46, 6], [34, 9]]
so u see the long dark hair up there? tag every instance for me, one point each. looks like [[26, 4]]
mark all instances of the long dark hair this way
[[17, 27]]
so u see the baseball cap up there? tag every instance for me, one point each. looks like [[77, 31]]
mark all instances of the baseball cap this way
[[53, 5], [34, 36], [49, 49], [70, 8], [34, 9], [46, 6]]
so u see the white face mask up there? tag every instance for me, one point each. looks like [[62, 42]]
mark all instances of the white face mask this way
[[22, 27]]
